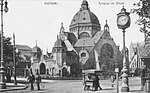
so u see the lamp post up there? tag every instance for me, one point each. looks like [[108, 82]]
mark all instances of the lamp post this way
[[2, 72], [136, 52], [14, 59], [123, 22], [117, 75]]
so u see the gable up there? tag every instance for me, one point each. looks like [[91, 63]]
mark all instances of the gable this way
[[146, 52], [106, 35], [97, 36]]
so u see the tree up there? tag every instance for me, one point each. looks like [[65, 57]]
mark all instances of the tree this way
[[142, 9], [7, 50]]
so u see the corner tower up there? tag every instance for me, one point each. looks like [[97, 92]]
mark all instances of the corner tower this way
[[59, 48], [36, 53], [84, 23]]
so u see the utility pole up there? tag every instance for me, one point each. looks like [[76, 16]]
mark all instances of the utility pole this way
[[14, 59], [2, 67]]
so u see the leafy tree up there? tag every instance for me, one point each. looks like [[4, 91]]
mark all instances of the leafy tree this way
[[7, 50], [142, 9]]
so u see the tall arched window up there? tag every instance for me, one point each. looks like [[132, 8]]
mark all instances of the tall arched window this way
[[42, 68], [107, 51]]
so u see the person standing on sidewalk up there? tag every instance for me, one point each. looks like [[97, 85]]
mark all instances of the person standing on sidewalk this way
[[112, 78], [143, 77], [31, 80], [38, 81]]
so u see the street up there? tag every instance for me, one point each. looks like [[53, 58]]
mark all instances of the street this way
[[76, 86]]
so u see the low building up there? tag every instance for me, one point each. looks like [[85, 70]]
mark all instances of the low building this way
[[137, 53], [23, 63]]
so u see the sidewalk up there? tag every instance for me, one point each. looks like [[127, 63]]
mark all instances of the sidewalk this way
[[132, 88], [19, 86], [108, 89], [11, 86]]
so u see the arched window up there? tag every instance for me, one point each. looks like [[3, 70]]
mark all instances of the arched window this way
[[107, 51], [42, 68], [84, 35], [83, 54]]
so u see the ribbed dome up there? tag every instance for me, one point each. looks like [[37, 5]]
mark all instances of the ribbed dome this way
[[84, 15]]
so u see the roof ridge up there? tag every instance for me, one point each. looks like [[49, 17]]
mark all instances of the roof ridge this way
[[145, 51]]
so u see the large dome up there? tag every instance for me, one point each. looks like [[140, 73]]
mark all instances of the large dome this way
[[84, 15], [84, 21]]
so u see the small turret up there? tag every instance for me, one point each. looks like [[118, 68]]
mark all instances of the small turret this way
[[84, 5], [36, 51], [62, 29], [106, 27]]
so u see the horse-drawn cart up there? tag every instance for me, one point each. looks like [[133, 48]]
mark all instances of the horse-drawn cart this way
[[90, 79]]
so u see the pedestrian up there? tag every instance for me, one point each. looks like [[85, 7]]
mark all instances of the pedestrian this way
[[97, 81], [8, 77], [96, 84], [38, 81], [143, 77], [112, 78], [31, 80]]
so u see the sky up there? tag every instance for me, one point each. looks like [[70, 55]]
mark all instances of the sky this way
[[41, 20]]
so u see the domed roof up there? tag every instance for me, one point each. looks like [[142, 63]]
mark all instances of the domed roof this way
[[58, 43], [84, 15], [36, 49]]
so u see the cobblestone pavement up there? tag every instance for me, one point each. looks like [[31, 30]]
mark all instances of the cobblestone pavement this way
[[76, 86]]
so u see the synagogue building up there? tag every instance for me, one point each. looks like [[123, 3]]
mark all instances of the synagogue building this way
[[86, 45]]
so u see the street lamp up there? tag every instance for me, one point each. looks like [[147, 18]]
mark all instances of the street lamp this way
[[2, 68], [123, 22]]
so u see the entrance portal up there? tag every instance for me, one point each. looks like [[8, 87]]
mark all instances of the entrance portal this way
[[64, 71], [74, 69], [42, 68]]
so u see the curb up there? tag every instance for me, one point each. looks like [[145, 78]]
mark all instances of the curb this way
[[16, 88]]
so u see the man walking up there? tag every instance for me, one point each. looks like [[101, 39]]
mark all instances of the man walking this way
[[96, 84], [112, 78], [31, 80], [143, 77], [38, 80]]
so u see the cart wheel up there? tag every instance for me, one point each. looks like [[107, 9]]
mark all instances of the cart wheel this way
[[88, 87]]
